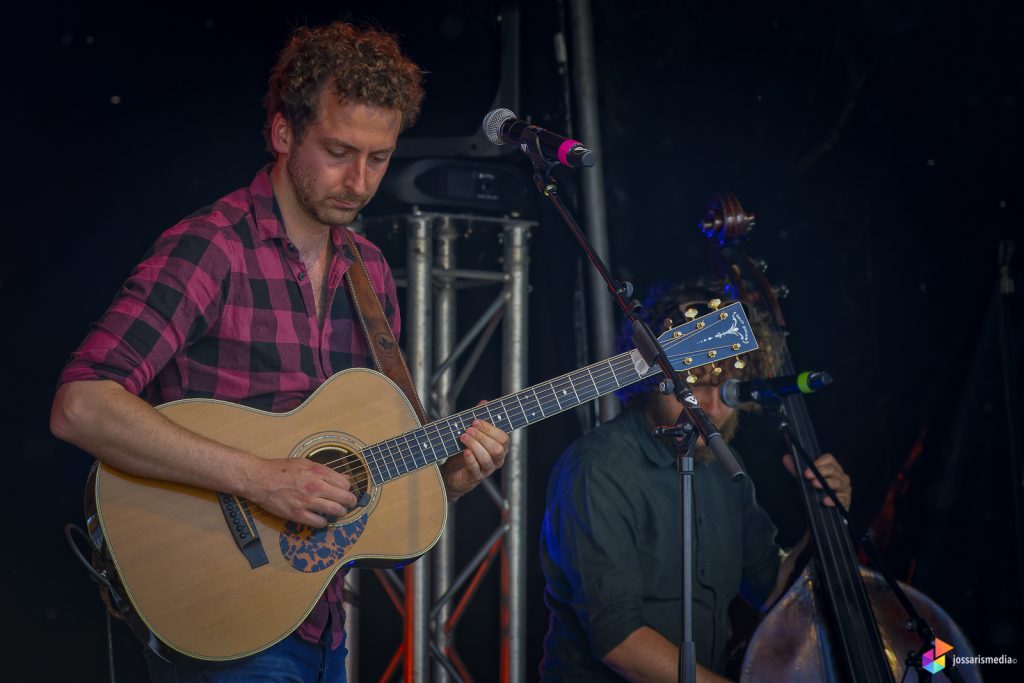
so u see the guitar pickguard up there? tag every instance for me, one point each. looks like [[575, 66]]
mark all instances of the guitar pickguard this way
[[310, 550]]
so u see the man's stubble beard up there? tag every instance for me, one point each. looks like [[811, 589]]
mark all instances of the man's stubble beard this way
[[304, 185]]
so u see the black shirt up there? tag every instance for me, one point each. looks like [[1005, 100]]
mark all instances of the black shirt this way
[[610, 550]]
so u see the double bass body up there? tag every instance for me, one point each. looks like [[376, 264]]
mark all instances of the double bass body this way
[[794, 642]]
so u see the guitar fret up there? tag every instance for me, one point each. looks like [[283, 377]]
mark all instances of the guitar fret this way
[[515, 409], [611, 376], [626, 373], [516, 414], [586, 391], [372, 453], [422, 446], [600, 379], [381, 460], [541, 399], [558, 391], [439, 445], [501, 420], [531, 409], [572, 385], [434, 440], [402, 445], [455, 433]]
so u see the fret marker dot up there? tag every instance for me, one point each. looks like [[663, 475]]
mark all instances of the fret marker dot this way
[[564, 392]]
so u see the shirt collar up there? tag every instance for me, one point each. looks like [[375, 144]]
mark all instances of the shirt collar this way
[[270, 222]]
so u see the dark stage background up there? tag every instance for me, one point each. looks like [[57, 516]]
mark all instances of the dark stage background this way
[[879, 144]]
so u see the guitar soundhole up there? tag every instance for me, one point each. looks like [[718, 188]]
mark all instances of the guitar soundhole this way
[[351, 464]]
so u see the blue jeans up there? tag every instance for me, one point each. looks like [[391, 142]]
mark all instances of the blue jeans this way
[[293, 660]]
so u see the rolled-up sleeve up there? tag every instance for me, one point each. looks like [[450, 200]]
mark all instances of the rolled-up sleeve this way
[[171, 298], [596, 528]]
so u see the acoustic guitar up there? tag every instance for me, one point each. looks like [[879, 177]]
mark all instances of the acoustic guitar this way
[[211, 577]]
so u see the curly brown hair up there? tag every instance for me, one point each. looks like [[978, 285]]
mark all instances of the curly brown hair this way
[[360, 64]]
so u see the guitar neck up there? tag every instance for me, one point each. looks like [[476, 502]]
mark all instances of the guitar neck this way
[[438, 440]]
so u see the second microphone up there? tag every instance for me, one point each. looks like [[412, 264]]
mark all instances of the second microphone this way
[[735, 392]]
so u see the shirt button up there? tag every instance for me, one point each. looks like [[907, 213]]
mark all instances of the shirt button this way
[[302, 276]]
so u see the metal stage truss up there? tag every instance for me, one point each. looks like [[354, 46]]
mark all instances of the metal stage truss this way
[[432, 594]]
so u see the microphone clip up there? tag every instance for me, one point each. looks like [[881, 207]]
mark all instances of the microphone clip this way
[[679, 430]]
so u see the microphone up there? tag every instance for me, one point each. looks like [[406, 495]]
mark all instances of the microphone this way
[[502, 126], [734, 392]]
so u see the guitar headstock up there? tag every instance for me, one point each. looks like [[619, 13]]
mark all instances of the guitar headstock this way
[[711, 339]]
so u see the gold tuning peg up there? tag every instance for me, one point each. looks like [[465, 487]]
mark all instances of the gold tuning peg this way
[[715, 370], [739, 364], [667, 323], [690, 313], [690, 378], [714, 304]]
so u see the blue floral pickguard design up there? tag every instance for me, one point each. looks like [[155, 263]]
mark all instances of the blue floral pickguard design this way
[[311, 550]]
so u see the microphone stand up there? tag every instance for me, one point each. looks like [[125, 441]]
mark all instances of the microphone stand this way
[[862, 536], [684, 436], [653, 354]]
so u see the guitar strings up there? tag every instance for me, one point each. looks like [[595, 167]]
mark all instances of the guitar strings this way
[[352, 460], [600, 378], [437, 439], [610, 369], [394, 458], [548, 405]]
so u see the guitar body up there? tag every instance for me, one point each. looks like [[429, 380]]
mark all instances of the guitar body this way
[[177, 561]]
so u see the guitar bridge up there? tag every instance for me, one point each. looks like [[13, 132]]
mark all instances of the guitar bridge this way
[[243, 529]]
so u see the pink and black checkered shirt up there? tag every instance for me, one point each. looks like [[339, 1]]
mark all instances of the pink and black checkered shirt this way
[[221, 307]]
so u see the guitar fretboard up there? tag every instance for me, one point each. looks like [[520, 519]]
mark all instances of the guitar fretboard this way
[[438, 440]]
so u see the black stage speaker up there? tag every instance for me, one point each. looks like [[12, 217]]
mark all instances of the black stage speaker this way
[[444, 162], [457, 184]]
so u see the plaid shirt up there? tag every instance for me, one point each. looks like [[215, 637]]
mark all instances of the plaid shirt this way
[[221, 307]]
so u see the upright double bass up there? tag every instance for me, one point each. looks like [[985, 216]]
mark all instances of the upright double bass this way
[[839, 621]]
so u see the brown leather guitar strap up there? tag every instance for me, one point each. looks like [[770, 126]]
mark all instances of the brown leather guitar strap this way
[[383, 347]]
